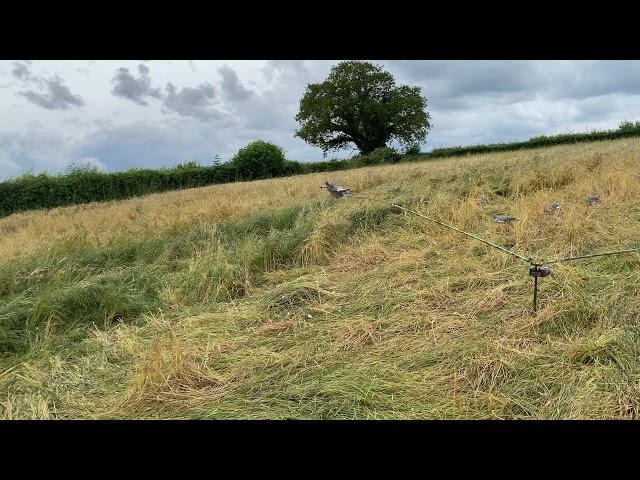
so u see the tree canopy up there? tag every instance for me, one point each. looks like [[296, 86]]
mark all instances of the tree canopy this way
[[360, 103], [259, 159]]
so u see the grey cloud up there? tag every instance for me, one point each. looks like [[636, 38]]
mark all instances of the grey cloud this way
[[103, 122], [72, 121], [266, 113], [53, 94], [134, 89], [57, 97], [196, 102], [297, 67], [32, 150], [584, 79], [506, 79], [35, 125], [21, 70], [8, 168], [98, 122], [290, 77], [144, 145], [467, 102], [494, 101], [457, 78], [232, 88], [137, 145], [272, 110], [519, 121]]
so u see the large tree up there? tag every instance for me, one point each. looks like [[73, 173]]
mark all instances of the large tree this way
[[360, 103]]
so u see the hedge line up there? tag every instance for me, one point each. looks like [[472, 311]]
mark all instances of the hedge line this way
[[82, 186], [626, 129]]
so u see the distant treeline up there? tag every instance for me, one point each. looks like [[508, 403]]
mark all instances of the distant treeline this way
[[626, 129], [84, 185]]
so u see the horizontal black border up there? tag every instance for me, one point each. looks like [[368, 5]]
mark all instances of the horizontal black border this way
[[345, 428], [312, 447], [319, 32]]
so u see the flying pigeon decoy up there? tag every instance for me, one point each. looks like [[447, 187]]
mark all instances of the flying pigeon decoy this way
[[505, 219], [552, 208], [593, 199], [336, 191]]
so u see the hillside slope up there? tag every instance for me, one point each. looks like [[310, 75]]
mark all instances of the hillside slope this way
[[270, 299]]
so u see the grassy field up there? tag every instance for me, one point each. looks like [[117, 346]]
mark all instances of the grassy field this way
[[270, 299]]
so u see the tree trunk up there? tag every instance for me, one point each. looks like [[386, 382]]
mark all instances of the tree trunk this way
[[368, 147]]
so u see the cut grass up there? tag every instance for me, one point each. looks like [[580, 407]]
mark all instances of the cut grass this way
[[284, 303]]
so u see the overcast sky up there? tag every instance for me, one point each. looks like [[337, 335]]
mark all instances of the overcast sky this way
[[125, 114]]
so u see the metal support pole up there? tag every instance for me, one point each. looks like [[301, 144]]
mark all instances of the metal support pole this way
[[537, 271]]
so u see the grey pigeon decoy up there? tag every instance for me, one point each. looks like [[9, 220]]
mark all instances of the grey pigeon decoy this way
[[505, 219], [552, 208], [336, 191], [593, 199]]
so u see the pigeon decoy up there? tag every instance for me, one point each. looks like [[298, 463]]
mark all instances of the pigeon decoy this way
[[552, 208], [336, 191], [505, 219], [593, 199]]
